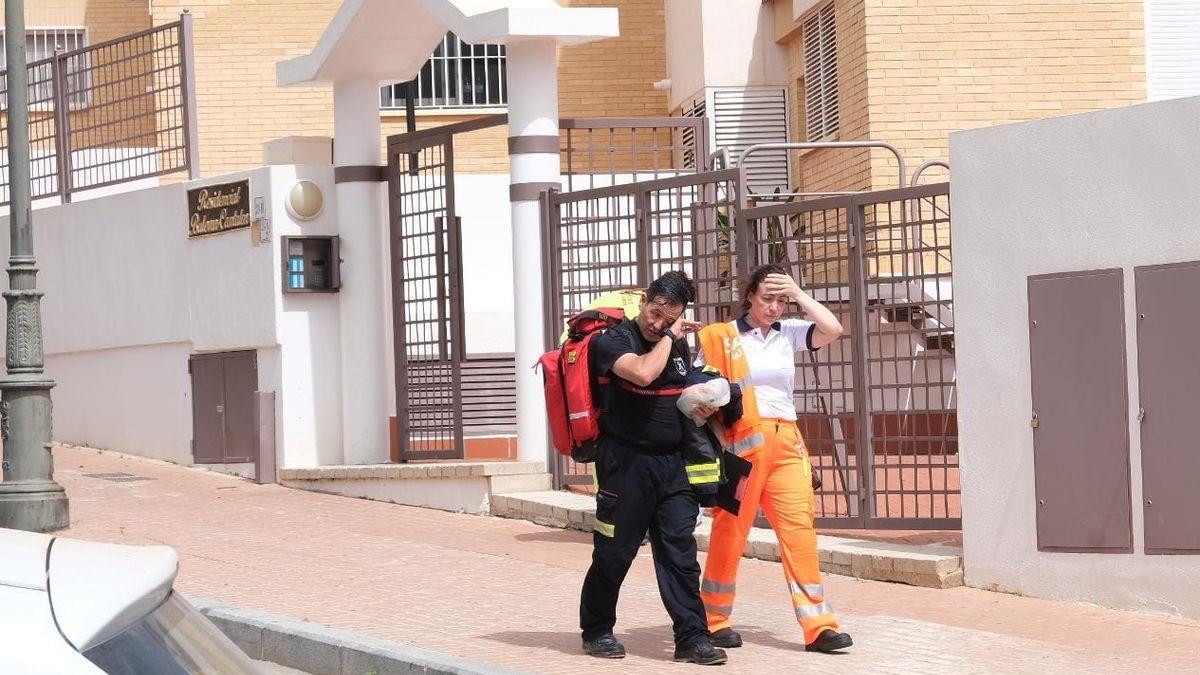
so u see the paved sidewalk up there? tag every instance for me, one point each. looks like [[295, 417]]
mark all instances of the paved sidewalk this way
[[506, 591]]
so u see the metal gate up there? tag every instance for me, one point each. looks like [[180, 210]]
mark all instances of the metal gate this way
[[440, 389], [877, 407], [427, 306], [623, 236]]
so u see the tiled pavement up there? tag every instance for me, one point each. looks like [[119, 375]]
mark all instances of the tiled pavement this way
[[506, 591]]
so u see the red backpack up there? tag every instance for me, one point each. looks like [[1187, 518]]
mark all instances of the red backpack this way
[[573, 410]]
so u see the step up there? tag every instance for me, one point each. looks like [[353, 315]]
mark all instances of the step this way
[[928, 565], [465, 487]]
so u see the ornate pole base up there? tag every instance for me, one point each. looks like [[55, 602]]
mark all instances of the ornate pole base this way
[[29, 498], [36, 506]]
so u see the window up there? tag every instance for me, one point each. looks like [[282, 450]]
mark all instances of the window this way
[[458, 75], [41, 44], [820, 76]]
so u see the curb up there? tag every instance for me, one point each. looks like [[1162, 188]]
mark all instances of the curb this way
[[321, 650], [926, 565]]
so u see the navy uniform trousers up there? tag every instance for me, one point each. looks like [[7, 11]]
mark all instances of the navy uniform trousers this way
[[640, 491]]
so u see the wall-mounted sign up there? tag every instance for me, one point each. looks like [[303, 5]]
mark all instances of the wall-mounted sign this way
[[218, 208]]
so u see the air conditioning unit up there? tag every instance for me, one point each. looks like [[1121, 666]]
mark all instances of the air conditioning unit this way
[[739, 117]]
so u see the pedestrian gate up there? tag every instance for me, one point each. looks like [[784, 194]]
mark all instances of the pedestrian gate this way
[[877, 407]]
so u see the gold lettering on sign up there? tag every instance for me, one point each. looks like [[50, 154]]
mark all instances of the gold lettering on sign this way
[[218, 208]]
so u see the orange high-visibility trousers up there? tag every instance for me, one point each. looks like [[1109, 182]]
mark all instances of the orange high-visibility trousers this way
[[781, 483]]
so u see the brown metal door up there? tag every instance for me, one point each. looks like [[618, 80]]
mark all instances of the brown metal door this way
[[1080, 426], [241, 381], [208, 409], [224, 427], [1168, 372]]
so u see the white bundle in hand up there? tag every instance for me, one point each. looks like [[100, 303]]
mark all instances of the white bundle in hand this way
[[713, 393]]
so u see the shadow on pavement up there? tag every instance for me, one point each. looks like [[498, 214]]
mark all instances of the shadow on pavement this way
[[556, 536], [653, 642]]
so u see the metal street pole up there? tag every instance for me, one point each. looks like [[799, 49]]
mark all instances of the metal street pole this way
[[29, 497]]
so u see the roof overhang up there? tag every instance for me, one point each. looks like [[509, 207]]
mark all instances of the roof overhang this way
[[390, 40]]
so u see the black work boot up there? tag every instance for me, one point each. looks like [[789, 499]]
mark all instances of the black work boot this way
[[829, 641], [604, 647], [701, 652], [726, 637]]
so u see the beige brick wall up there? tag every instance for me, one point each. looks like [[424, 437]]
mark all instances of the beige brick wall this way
[[239, 43], [943, 66], [835, 169], [613, 78], [104, 19], [913, 71], [118, 113]]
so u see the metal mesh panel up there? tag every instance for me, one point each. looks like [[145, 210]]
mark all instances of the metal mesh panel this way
[[623, 236], [594, 240], [426, 303], [604, 152], [910, 356], [877, 407], [689, 228], [814, 244], [107, 114]]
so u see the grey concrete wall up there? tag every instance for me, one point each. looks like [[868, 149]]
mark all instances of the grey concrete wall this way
[[1117, 188]]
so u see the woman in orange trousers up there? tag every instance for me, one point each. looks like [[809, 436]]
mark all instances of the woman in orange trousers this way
[[758, 351]]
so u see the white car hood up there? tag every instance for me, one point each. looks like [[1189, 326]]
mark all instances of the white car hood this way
[[98, 590], [23, 559]]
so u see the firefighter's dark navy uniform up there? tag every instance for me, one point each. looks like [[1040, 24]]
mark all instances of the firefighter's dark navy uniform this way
[[643, 481]]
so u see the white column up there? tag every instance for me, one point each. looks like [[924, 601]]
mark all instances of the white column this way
[[532, 111], [361, 227]]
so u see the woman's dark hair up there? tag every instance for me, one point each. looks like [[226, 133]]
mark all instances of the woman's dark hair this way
[[675, 288], [756, 277]]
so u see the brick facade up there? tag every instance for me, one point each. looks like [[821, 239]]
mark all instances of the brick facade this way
[[909, 72], [912, 72], [238, 45]]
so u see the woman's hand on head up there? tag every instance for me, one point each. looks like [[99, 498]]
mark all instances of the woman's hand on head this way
[[781, 284]]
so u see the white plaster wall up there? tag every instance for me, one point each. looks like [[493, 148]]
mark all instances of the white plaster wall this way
[[685, 49], [133, 399], [739, 36], [481, 201], [721, 43], [1116, 188], [309, 399], [129, 297]]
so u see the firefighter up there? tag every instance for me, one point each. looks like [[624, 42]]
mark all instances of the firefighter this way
[[758, 351], [644, 482]]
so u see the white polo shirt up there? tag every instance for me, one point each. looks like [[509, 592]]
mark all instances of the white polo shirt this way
[[772, 359]]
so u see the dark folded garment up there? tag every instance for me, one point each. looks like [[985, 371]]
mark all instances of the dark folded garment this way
[[737, 476]]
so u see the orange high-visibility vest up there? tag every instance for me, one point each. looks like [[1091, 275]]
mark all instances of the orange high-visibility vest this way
[[722, 347]]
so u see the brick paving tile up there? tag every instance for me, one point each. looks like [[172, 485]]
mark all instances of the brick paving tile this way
[[506, 591]]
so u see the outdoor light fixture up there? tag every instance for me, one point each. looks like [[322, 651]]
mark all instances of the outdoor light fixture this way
[[305, 201]]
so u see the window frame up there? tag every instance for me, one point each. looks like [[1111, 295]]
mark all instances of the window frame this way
[[81, 98], [444, 73]]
